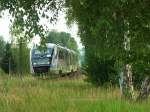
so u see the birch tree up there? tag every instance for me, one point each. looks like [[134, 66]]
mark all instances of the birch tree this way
[[116, 29]]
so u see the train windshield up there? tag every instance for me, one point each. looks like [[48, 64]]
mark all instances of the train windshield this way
[[45, 52]]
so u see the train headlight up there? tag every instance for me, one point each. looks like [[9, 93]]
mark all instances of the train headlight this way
[[34, 63], [48, 55]]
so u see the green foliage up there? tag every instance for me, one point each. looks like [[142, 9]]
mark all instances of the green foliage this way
[[2, 47], [102, 70], [8, 62], [24, 58], [63, 39], [26, 14], [1, 72], [10, 58], [105, 26]]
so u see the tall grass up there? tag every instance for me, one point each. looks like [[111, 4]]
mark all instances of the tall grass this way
[[31, 94]]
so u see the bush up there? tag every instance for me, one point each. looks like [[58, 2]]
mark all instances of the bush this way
[[140, 71], [1, 72], [101, 71]]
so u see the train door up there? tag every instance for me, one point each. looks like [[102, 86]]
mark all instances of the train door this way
[[54, 58]]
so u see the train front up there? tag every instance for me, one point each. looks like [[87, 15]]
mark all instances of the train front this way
[[41, 60]]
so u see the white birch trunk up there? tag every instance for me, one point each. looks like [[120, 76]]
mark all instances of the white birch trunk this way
[[126, 84], [145, 89]]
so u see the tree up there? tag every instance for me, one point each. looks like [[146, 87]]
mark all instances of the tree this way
[[26, 14], [2, 47], [113, 30], [62, 38], [23, 59], [8, 65]]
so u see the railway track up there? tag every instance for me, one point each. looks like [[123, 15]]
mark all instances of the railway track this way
[[72, 74]]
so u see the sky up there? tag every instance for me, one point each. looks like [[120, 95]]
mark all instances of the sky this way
[[4, 27], [59, 26]]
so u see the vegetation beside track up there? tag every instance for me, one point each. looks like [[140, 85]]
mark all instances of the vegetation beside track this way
[[33, 94]]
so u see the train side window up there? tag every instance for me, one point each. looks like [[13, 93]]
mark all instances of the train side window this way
[[55, 53], [61, 54], [68, 60]]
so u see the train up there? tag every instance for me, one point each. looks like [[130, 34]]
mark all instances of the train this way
[[53, 59]]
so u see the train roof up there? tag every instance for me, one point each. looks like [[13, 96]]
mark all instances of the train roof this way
[[65, 48], [52, 45]]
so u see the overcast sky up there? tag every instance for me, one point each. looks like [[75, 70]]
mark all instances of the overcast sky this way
[[60, 26]]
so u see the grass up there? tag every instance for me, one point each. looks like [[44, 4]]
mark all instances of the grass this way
[[61, 95]]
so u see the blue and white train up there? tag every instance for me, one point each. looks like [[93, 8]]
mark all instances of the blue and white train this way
[[54, 58]]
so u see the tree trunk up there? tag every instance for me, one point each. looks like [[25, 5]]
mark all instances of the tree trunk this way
[[126, 85], [145, 89], [20, 57]]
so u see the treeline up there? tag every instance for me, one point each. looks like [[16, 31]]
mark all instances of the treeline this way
[[62, 38]]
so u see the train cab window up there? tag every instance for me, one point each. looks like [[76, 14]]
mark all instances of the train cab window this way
[[37, 52]]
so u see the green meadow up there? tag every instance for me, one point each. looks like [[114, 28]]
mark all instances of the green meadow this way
[[33, 94]]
